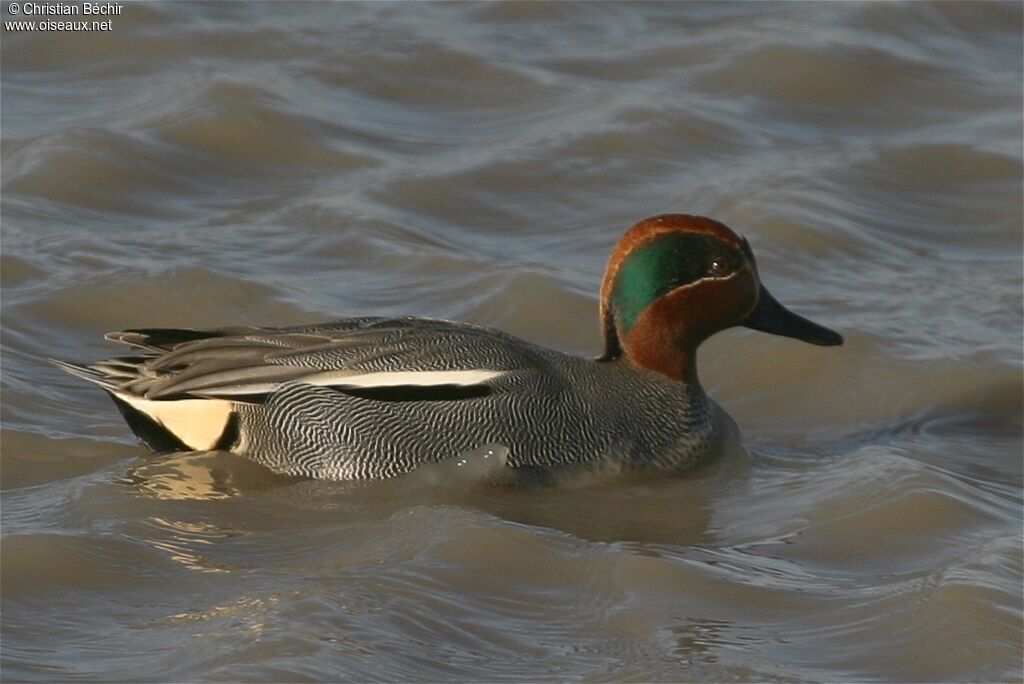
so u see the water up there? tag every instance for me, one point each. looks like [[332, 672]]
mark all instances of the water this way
[[206, 164]]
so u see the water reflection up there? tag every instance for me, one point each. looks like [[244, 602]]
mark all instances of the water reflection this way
[[200, 475], [598, 504], [182, 541]]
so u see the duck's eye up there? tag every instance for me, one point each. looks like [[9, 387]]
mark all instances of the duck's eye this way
[[719, 266]]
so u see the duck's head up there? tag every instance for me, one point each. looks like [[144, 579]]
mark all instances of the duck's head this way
[[673, 281]]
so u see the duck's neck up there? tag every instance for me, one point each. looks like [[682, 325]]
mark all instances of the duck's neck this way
[[660, 339], [660, 355]]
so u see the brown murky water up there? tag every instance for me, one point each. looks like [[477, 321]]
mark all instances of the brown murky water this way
[[205, 164]]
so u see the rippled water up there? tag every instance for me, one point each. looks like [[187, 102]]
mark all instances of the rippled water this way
[[277, 163]]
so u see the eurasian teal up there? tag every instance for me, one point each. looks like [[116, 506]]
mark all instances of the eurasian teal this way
[[365, 398]]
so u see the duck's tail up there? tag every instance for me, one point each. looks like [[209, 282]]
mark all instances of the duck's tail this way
[[163, 425]]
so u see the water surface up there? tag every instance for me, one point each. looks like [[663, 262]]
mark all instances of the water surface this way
[[206, 164]]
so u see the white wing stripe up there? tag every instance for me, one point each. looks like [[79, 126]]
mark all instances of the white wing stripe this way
[[396, 378]]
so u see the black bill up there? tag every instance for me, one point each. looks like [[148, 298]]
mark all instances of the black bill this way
[[771, 317]]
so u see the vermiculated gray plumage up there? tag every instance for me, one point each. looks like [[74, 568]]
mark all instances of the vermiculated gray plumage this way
[[368, 398]]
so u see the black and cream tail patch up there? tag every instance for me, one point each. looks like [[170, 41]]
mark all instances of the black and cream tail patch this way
[[180, 424]]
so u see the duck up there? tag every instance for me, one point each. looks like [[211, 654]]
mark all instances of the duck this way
[[377, 397]]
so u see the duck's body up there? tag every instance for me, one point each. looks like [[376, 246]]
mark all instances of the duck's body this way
[[368, 398], [376, 397]]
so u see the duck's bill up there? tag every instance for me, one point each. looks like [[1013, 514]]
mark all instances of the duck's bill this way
[[771, 317]]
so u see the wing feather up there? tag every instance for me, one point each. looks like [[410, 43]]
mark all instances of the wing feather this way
[[364, 353]]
